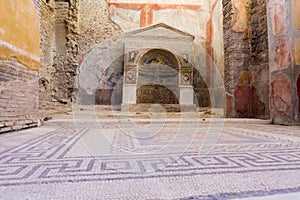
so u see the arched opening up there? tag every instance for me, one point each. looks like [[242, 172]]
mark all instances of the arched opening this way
[[158, 78]]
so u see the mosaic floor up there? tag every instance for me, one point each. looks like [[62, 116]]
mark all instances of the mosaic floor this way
[[149, 160]]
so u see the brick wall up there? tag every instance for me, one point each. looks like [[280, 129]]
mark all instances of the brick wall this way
[[246, 58], [259, 59], [236, 63], [18, 96], [68, 30], [19, 64]]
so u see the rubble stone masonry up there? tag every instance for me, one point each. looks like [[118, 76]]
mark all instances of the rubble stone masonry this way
[[246, 65]]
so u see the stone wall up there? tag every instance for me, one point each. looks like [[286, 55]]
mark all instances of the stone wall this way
[[18, 96], [100, 74], [94, 24], [68, 30], [157, 94], [96, 32], [47, 22], [259, 67], [246, 58], [236, 58], [284, 42], [64, 68], [19, 62]]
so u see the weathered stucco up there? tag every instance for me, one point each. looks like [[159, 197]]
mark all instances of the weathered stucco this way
[[246, 58], [284, 61], [252, 46], [19, 32], [19, 62], [69, 29]]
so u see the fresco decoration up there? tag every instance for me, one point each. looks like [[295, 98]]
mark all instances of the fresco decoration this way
[[297, 50], [280, 93], [188, 16], [240, 16], [277, 12], [195, 17], [131, 57], [296, 13], [282, 53], [186, 77], [20, 39], [185, 60], [130, 76]]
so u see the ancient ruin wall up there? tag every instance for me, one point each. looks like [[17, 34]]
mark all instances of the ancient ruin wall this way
[[259, 59], [246, 58], [47, 22], [19, 64], [236, 58], [94, 24], [18, 96], [68, 30], [63, 69], [284, 53], [96, 31]]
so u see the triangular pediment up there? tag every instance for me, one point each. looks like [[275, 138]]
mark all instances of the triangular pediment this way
[[161, 29]]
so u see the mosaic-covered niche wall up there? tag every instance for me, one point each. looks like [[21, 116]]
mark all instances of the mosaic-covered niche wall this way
[[19, 64], [200, 18], [70, 28], [284, 46], [157, 78], [102, 68], [246, 58], [157, 68]]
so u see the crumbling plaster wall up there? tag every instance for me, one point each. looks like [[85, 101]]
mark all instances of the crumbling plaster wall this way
[[284, 46], [19, 64], [246, 58], [68, 30], [259, 63]]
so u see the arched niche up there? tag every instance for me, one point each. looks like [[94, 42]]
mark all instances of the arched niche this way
[[157, 62], [157, 78]]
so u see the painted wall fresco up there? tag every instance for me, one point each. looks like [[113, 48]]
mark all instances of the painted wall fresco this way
[[282, 53], [19, 64], [20, 39], [277, 13], [217, 36], [296, 14], [189, 15], [297, 50], [284, 56], [240, 16], [200, 18], [280, 93]]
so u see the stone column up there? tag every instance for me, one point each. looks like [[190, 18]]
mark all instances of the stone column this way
[[186, 89], [129, 87], [284, 52]]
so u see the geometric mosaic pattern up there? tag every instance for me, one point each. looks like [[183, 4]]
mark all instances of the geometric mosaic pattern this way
[[60, 157]]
